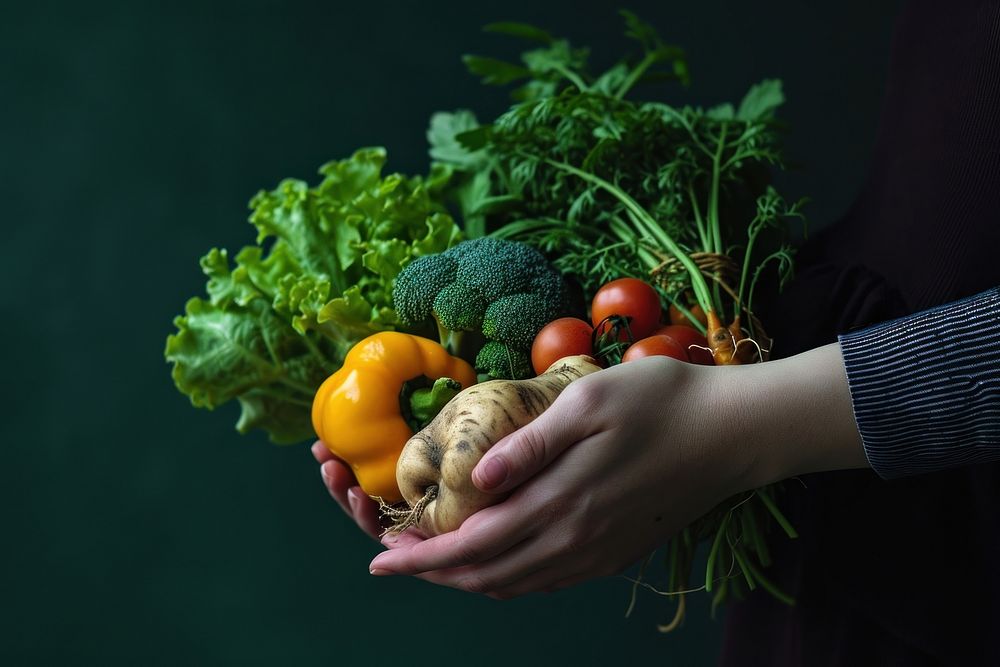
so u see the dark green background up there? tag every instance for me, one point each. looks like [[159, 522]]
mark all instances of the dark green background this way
[[138, 530]]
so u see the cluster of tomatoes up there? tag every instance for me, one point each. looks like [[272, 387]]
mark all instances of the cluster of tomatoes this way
[[628, 312]]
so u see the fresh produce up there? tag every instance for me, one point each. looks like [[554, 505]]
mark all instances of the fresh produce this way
[[319, 279], [384, 392], [689, 339], [655, 346], [629, 298], [564, 337], [435, 469], [609, 186], [505, 290], [578, 185]]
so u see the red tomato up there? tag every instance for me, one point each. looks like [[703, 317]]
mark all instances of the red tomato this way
[[560, 338], [676, 317], [631, 298], [655, 346], [690, 340]]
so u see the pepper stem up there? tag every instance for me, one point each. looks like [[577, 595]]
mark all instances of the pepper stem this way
[[425, 403]]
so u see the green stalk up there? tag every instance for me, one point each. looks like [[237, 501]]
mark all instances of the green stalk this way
[[713, 198], [636, 74], [769, 586], [702, 232], [688, 314], [713, 554], [746, 269], [647, 225], [742, 561], [715, 231], [295, 384], [776, 513], [284, 397], [318, 354], [573, 77]]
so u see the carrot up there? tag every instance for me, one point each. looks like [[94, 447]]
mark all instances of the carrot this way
[[729, 345], [434, 471]]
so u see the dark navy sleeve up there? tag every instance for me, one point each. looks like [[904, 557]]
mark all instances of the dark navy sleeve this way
[[926, 388]]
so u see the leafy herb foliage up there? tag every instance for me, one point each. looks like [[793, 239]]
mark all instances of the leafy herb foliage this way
[[318, 279]]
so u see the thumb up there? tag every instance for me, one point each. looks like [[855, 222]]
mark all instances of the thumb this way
[[525, 452]]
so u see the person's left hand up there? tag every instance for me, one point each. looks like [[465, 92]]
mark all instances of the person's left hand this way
[[627, 456]]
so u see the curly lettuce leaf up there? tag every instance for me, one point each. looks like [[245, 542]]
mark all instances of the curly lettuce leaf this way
[[318, 279]]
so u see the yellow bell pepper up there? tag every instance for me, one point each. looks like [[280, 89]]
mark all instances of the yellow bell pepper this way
[[357, 411]]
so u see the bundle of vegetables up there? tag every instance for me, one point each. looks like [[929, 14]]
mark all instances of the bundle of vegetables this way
[[326, 321], [609, 187], [318, 280], [503, 290]]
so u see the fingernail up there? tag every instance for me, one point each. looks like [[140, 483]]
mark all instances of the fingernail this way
[[492, 472], [354, 499], [323, 473], [377, 569]]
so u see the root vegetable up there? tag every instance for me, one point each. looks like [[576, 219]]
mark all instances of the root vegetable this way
[[434, 471]]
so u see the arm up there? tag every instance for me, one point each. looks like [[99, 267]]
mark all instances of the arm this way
[[662, 443], [926, 388]]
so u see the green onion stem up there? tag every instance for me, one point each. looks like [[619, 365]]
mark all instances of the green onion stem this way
[[776, 513], [647, 225]]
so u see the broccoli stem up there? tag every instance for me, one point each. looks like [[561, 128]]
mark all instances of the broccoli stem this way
[[450, 340]]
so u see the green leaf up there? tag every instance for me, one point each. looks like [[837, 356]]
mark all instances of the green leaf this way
[[220, 352], [224, 285], [609, 82], [522, 30], [352, 314], [344, 179], [444, 136], [287, 422], [493, 71], [265, 273], [442, 233], [721, 112], [761, 100], [318, 279], [386, 258]]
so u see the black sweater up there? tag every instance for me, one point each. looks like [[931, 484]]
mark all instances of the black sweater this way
[[904, 572]]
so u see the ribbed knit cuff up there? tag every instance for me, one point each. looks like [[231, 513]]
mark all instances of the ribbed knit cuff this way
[[926, 388]]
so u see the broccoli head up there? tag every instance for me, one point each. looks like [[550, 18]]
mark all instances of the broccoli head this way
[[417, 286], [502, 361], [505, 289]]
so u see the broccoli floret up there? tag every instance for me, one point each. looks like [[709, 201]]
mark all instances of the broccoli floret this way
[[460, 308], [505, 289], [517, 318], [496, 268], [418, 284], [501, 361]]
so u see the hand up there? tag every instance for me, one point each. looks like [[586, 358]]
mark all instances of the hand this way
[[626, 457], [342, 485]]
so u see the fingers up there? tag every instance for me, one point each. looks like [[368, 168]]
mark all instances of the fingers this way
[[320, 452], [525, 452], [365, 511], [483, 536], [338, 479], [343, 488]]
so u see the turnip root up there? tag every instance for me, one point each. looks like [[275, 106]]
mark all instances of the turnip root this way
[[434, 471]]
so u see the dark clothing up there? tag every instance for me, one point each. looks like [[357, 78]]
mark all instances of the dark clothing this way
[[925, 388], [905, 572]]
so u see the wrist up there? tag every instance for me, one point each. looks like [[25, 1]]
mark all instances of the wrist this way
[[799, 417]]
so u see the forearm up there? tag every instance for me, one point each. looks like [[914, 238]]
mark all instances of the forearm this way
[[799, 416], [906, 397]]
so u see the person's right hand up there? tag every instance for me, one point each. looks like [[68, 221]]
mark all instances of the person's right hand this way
[[343, 487]]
